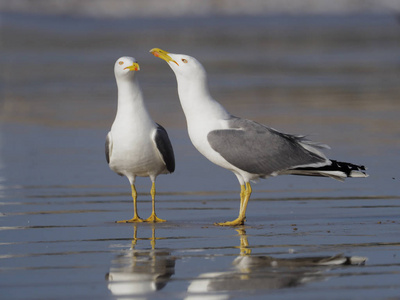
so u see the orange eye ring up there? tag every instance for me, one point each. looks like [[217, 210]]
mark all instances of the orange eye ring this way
[[121, 63], [184, 60]]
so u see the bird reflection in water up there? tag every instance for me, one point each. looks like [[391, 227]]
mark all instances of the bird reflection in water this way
[[138, 273], [258, 273]]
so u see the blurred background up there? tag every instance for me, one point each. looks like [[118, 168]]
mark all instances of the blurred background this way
[[172, 8], [326, 68]]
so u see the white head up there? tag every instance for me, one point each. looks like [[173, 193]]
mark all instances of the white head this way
[[126, 67], [193, 91], [184, 66]]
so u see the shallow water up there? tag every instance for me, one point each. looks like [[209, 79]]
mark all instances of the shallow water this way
[[334, 77]]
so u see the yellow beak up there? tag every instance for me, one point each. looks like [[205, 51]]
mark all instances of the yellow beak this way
[[157, 52], [134, 67]]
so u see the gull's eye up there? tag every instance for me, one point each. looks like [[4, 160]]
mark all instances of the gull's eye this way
[[121, 63], [184, 60]]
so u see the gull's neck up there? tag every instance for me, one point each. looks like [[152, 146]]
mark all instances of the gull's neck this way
[[130, 101], [196, 100]]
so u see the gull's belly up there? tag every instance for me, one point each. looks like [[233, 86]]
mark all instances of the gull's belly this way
[[131, 157]]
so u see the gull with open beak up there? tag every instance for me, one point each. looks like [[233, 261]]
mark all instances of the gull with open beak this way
[[249, 149]]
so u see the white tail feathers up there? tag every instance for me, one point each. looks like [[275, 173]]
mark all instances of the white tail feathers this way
[[358, 174]]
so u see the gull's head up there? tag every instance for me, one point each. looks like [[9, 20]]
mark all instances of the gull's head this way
[[125, 66], [184, 66]]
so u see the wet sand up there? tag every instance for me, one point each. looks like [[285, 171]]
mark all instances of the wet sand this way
[[335, 78]]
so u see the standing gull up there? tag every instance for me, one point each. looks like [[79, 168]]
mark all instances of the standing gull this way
[[136, 145], [249, 149]]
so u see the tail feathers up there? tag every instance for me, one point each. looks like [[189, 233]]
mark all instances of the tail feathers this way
[[336, 170]]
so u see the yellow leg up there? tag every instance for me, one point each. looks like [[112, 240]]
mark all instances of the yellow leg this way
[[153, 218], [135, 214], [242, 196], [243, 206], [246, 200]]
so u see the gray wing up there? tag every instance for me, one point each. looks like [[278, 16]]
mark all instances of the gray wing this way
[[108, 147], [165, 147], [257, 149]]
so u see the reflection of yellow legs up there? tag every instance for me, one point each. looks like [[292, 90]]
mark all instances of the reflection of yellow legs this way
[[152, 239], [245, 192], [244, 251], [244, 243], [153, 218], [134, 240], [135, 214]]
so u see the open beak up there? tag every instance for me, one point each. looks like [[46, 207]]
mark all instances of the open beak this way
[[134, 67], [157, 52]]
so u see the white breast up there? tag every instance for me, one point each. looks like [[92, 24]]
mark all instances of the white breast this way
[[198, 131], [134, 152]]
